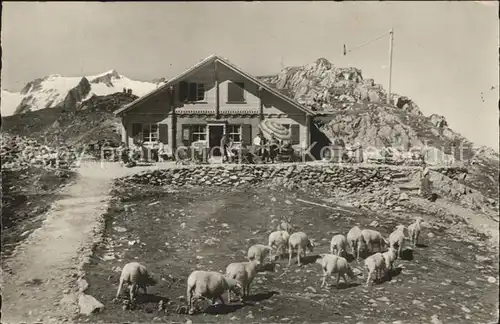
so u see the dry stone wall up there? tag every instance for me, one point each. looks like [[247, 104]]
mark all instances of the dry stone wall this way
[[349, 178]]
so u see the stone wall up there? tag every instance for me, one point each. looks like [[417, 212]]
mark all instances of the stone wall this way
[[348, 178]]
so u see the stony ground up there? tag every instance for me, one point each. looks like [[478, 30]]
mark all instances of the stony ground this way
[[26, 195], [174, 232]]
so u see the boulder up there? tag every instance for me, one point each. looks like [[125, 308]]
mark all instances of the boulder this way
[[89, 305]]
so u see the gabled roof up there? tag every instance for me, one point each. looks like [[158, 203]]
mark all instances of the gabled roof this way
[[208, 60]]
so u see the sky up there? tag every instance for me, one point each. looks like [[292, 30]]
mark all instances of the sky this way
[[445, 56]]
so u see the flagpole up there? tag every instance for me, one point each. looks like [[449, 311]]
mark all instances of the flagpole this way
[[391, 39]]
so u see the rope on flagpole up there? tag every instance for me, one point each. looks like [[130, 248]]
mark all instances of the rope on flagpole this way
[[369, 42]]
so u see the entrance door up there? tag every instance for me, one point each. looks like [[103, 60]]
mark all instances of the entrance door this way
[[215, 133]]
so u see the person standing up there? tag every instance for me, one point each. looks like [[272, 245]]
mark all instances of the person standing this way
[[224, 143], [273, 148]]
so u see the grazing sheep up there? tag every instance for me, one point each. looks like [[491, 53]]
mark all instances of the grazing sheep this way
[[375, 263], [397, 238], [339, 244], [414, 231], [135, 275], [243, 272], [353, 237], [285, 225], [258, 252], [389, 257], [371, 237], [334, 264], [301, 242], [210, 285], [278, 239]]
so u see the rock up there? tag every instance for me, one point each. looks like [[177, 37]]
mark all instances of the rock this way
[[120, 229], [108, 257], [430, 235], [482, 259], [82, 284], [403, 196], [435, 320], [89, 305], [374, 224], [471, 283], [383, 299], [188, 321], [310, 289], [465, 309], [491, 280]]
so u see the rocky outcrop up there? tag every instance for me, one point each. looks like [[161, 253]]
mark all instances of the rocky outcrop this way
[[438, 121], [323, 87], [76, 95]]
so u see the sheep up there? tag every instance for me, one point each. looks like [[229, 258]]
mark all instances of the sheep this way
[[258, 252], [353, 237], [334, 264], [210, 285], [278, 239], [136, 276], [374, 263], [414, 231], [371, 237], [339, 244], [301, 242], [397, 238], [243, 272], [285, 225], [389, 257]]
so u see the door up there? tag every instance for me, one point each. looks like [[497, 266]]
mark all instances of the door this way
[[215, 133]]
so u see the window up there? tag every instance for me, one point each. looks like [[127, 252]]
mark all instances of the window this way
[[198, 133], [147, 133], [150, 133], [234, 133], [236, 92], [196, 92]]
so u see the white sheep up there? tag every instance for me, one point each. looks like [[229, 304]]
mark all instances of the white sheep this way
[[136, 276], [397, 238], [243, 272], [339, 244], [210, 285], [375, 263], [278, 240], [258, 252], [372, 237], [389, 257], [301, 243], [414, 230], [353, 238], [334, 264]]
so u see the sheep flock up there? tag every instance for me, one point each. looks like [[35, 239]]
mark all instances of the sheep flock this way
[[344, 260]]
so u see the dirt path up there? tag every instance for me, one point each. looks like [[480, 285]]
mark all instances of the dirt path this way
[[44, 266]]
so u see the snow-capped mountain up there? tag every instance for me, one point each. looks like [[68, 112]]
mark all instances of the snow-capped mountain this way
[[54, 90]]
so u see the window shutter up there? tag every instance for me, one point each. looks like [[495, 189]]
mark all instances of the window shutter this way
[[193, 95], [183, 91], [186, 135], [295, 129], [246, 132], [235, 91], [163, 130]]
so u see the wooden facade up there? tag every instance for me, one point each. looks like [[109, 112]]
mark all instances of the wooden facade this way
[[209, 99]]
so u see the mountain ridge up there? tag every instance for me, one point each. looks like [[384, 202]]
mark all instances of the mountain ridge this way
[[56, 90]]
